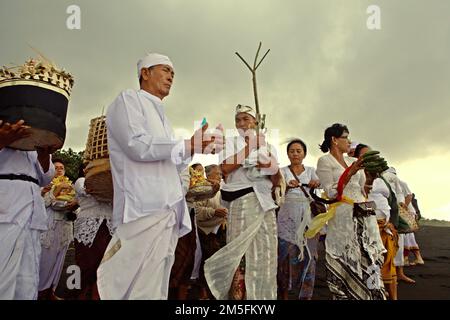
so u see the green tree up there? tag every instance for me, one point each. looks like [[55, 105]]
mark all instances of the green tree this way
[[73, 161]]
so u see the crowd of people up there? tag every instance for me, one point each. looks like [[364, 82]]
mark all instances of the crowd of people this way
[[254, 237]]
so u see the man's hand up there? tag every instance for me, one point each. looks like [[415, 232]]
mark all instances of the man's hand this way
[[221, 212], [46, 189], [267, 163], [215, 186], [205, 143], [254, 141], [12, 132], [263, 165], [44, 155], [265, 160]]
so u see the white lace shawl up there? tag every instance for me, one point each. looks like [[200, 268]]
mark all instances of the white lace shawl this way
[[85, 229], [342, 239]]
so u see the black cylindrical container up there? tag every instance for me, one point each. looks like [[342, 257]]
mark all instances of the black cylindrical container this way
[[42, 107]]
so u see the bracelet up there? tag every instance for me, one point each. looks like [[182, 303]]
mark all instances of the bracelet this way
[[369, 186]]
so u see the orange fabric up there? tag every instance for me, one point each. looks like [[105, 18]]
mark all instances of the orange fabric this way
[[390, 242]]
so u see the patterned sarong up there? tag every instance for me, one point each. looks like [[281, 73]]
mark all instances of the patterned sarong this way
[[345, 284]]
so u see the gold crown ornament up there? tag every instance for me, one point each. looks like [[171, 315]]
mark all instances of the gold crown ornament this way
[[37, 92]]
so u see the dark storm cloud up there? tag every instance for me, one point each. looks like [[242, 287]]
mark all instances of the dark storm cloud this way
[[389, 86]]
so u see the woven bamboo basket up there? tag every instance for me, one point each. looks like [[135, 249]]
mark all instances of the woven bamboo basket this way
[[97, 142], [98, 181]]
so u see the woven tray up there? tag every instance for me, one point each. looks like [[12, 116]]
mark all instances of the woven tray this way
[[98, 181], [200, 193]]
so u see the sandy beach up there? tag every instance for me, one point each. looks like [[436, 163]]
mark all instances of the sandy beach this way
[[432, 278]]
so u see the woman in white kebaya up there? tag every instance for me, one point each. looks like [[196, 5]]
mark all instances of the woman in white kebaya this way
[[296, 255], [354, 250]]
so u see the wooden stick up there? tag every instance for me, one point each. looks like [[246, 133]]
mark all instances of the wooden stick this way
[[260, 119], [244, 62], [256, 57], [262, 59]]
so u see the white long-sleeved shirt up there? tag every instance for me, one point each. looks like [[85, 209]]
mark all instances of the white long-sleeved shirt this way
[[407, 192], [305, 177], [396, 187], [380, 194], [329, 170], [21, 201], [248, 175], [145, 159]]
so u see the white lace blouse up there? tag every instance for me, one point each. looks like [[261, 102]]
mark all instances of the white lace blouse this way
[[91, 215]]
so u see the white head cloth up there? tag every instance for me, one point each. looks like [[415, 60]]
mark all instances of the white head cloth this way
[[392, 170], [247, 109], [354, 145], [152, 59]]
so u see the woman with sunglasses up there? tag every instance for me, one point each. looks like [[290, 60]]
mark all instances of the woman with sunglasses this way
[[354, 250]]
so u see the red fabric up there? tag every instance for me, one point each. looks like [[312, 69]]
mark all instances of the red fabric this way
[[340, 187]]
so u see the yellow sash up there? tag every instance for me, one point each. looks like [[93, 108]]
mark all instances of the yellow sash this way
[[321, 219]]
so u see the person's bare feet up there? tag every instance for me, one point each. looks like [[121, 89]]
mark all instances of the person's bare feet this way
[[405, 279]]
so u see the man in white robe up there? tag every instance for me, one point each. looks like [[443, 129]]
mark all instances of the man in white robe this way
[[22, 213], [251, 172], [149, 210]]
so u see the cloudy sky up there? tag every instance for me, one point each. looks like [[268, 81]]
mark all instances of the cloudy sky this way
[[390, 86]]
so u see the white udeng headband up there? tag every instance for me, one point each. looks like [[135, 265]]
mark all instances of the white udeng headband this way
[[247, 109], [152, 59]]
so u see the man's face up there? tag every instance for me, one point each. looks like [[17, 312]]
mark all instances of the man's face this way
[[59, 169], [244, 121], [158, 80]]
